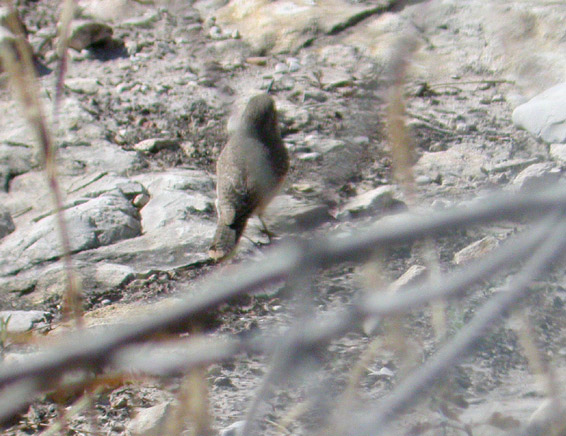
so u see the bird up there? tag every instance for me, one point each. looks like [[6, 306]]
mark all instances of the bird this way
[[250, 170]]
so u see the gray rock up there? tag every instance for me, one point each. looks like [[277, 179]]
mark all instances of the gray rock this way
[[100, 221], [178, 224], [86, 33], [476, 250], [112, 275], [372, 202], [149, 421], [287, 214], [285, 27], [536, 176], [6, 223], [140, 200], [83, 85], [99, 156], [153, 145], [23, 320], [412, 276], [234, 429], [544, 116]]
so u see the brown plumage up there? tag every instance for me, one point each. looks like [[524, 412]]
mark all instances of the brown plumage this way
[[250, 170]]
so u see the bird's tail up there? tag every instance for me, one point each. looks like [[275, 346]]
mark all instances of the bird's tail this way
[[225, 240]]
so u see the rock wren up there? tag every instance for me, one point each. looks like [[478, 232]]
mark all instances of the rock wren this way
[[250, 170]]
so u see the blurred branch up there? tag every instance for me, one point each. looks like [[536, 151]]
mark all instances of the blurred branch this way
[[92, 351], [413, 387]]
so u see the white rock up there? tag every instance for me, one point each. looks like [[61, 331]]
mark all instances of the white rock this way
[[153, 145], [83, 85], [476, 250], [536, 176], [544, 116], [370, 202], [22, 320], [410, 277], [149, 421]]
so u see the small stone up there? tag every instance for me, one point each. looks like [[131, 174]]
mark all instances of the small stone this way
[[308, 156], [497, 98], [85, 34], [215, 33], [440, 204], [112, 275], [153, 145], [372, 202], [423, 180], [149, 420], [294, 64], [281, 68], [140, 200], [22, 320], [385, 372], [235, 34], [83, 85], [476, 250], [485, 100], [257, 60], [303, 187], [360, 140], [413, 275], [234, 429]]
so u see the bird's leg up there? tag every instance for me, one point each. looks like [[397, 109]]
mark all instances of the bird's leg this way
[[270, 235]]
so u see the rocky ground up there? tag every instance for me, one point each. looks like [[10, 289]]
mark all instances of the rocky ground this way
[[144, 115]]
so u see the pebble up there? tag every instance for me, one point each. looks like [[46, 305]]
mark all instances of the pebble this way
[[372, 201], [294, 64], [308, 156], [83, 85], [153, 145], [257, 60], [215, 33], [140, 200]]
